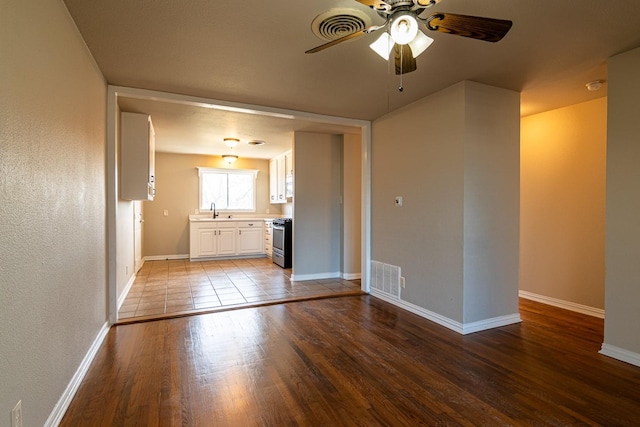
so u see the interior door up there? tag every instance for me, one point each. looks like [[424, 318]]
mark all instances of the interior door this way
[[137, 235]]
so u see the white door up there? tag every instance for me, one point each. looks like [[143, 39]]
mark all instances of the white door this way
[[137, 235]]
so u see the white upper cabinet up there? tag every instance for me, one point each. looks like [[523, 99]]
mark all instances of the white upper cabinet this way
[[281, 178], [137, 157]]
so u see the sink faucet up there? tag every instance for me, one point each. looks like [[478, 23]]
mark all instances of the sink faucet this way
[[213, 208]]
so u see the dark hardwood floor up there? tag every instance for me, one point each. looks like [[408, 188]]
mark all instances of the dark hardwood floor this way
[[355, 361]]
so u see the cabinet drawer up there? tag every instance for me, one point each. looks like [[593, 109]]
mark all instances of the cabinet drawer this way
[[249, 224], [226, 224]]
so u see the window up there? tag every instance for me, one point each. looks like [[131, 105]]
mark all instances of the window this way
[[229, 189]]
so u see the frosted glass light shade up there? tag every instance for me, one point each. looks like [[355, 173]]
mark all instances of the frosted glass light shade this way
[[229, 158], [420, 43], [404, 29], [383, 46]]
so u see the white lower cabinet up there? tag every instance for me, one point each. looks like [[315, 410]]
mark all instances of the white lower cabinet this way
[[268, 239], [249, 237], [209, 239]]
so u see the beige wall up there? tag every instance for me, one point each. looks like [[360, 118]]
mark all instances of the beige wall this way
[[447, 155], [563, 162], [52, 206], [177, 192], [622, 289]]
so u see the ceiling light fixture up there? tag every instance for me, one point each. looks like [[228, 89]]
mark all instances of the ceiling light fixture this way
[[229, 158], [255, 142], [404, 30], [231, 142]]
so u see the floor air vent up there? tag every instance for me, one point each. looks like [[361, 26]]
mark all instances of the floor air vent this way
[[385, 279]]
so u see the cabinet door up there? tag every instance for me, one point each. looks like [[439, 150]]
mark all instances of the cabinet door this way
[[282, 173], [137, 157], [250, 240], [226, 241], [206, 242], [273, 181]]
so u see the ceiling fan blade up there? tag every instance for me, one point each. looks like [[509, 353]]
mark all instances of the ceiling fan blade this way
[[405, 62], [337, 41], [376, 4], [475, 27]]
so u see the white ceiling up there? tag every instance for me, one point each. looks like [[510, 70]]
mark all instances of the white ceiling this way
[[253, 52]]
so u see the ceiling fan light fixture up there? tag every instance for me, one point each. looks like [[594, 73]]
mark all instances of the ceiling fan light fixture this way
[[404, 28], [420, 43], [383, 46], [229, 158]]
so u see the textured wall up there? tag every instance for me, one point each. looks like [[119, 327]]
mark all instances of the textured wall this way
[[352, 206], [418, 153], [317, 211], [52, 205], [622, 289], [563, 162], [453, 157]]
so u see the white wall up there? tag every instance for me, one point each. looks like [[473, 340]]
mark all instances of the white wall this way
[[316, 208], [453, 157], [622, 285], [562, 234], [52, 205]]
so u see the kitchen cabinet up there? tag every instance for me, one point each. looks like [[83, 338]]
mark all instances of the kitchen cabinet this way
[[249, 237], [211, 239], [268, 238], [288, 177], [225, 238], [281, 178], [137, 157]]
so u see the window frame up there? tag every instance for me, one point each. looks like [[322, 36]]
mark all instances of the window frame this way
[[202, 171]]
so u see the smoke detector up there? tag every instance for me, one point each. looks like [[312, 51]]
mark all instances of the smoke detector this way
[[594, 85]]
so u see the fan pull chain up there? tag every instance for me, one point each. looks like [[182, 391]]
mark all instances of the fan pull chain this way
[[400, 89]]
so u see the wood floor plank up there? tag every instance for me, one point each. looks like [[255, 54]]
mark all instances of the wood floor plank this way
[[355, 361]]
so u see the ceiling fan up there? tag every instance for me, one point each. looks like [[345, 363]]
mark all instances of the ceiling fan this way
[[406, 40]]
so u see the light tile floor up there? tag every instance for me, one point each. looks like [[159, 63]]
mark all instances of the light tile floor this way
[[172, 287]]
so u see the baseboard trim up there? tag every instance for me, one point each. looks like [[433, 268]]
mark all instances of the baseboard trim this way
[[125, 291], [65, 400], [351, 276], [567, 305], [494, 322], [316, 276], [463, 329], [420, 311], [620, 354], [165, 257]]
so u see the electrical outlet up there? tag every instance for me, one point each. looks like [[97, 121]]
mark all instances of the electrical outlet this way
[[166, 212], [402, 284], [16, 415], [398, 200]]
